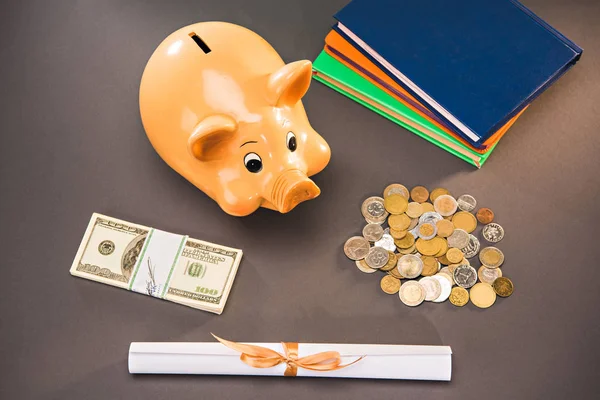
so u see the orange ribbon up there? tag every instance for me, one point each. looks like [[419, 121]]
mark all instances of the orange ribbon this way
[[262, 357]]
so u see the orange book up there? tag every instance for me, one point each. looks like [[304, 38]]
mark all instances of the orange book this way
[[339, 48]]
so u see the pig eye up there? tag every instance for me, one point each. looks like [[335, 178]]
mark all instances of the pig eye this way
[[253, 162], [291, 141]]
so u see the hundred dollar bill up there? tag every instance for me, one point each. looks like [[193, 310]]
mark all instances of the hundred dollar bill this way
[[156, 263]]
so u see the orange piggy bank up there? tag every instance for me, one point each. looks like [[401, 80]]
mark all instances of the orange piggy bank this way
[[222, 109]]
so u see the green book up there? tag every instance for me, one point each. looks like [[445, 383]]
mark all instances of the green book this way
[[336, 75]]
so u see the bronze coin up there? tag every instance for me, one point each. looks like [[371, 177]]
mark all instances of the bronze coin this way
[[503, 286], [485, 215], [419, 194]]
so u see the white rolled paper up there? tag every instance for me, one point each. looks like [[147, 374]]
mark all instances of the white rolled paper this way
[[380, 362]]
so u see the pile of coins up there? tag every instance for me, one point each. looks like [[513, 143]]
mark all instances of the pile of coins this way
[[425, 231]]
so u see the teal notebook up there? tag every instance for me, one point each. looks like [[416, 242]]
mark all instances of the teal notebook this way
[[336, 75]]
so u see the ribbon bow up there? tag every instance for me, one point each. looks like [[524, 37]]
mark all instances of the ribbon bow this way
[[262, 357]]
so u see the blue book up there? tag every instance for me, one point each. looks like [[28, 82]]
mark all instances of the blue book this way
[[475, 63]]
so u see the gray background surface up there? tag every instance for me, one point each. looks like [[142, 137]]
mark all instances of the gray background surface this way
[[72, 143]]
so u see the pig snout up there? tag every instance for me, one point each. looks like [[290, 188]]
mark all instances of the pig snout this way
[[292, 188]]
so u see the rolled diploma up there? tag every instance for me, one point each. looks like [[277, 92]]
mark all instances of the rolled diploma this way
[[381, 361]]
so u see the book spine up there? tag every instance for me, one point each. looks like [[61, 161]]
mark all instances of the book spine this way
[[578, 50]]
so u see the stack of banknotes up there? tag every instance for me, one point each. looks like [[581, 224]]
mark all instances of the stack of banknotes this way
[[172, 267]]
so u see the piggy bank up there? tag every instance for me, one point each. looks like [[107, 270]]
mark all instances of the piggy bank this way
[[221, 108]]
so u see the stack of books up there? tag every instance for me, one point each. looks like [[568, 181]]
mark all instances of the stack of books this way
[[457, 73]]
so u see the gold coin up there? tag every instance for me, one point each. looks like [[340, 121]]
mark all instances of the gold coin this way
[[459, 296], [443, 247], [410, 250], [392, 260], [454, 255], [426, 230], [491, 257], [485, 215], [443, 260], [397, 234], [395, 273], [414, 209], [430, 266], [395, 204], [503, 286], [389, 284], [437, 192], [400, 222], [444, 228], [465, 221], [396, 188], [406, 242], [428, 247], [482, 295], [427, 207], [419, 194], [488, 275]]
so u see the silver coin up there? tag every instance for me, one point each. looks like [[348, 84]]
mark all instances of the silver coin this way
[[373, 209], [493, 232], [413, 223], [446, 288], [412, 293], [415, 232], [428, 237], [377, 257], [466, 202], [458, 239], [356, 248], [387, 242], [373, 221], [372, 232], [465, 276], [471, 249], [360, 264], [410, 266], [433, 288], [431, 217], [446, 275]]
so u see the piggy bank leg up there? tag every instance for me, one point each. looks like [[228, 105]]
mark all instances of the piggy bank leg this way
[[237, 199]]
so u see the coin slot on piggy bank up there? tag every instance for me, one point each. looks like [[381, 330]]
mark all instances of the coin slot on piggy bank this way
[[200, 42], [232, 124]]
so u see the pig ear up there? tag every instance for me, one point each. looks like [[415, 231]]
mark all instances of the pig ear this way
[[207, 139], [288, 84]]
